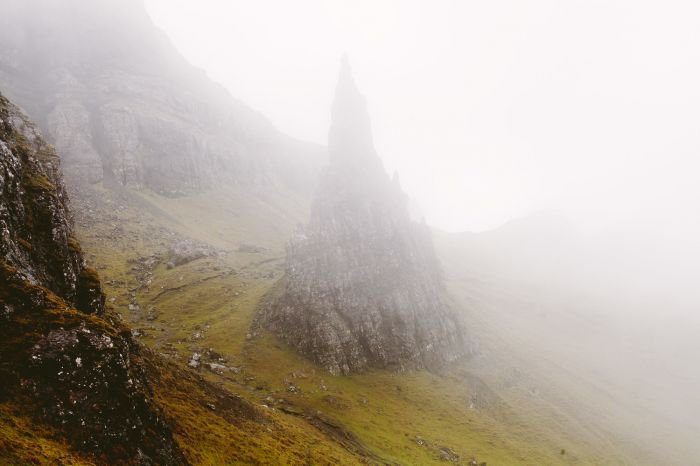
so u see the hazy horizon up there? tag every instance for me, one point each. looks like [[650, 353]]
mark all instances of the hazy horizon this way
[[489, 112]]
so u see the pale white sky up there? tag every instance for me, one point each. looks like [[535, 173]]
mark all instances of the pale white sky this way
[[488, 109]]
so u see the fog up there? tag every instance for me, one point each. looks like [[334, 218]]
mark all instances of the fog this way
[[586, 107], [583, 113], [491, 111], [552, 147]]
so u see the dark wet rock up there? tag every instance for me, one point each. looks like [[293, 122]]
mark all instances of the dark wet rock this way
[[35, 223], [214, 355], [63, 360], [89, 294], [81, 374], [363, 286]]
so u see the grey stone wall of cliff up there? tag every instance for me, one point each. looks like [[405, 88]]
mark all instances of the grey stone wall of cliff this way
[[363, 286], [120, 105], [64, 360]]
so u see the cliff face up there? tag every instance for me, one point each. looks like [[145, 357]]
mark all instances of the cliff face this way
[[121, 105], [363, 286], [35, 224], [62, 360]]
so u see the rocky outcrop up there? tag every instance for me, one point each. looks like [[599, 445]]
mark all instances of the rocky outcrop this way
[[185, 251], [35, 224], [62, 359], [363, 286], [122, 106]]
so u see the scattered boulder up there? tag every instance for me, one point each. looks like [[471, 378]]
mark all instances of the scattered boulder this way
[[447, 454], [185, 251], [218, 368], [194, 360]]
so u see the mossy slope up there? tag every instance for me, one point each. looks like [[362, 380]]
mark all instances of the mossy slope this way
[[208, 307]]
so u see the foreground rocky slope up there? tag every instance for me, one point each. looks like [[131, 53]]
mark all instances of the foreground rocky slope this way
[[62, 361], [363, 286], [121, 105], [75, 385]]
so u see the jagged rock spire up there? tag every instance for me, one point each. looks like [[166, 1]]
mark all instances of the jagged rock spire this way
[[350, 136], [363, 287]]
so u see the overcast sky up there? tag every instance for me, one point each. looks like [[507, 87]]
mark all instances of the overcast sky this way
[[488, 109]]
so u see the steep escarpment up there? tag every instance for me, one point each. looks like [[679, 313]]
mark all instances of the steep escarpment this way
[[122, 106], [63, 361], [363, 287], [35, 224]]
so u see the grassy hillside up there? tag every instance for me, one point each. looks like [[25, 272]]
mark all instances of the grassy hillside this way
[[23, 441], [203, 311], [599, 363]]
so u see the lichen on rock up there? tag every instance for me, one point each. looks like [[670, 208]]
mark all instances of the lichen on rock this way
[[35, 221], [63, 360]]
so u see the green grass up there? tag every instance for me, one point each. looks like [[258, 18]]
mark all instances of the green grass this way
[[389, 411], [23, 441], [376, 417], [217, 437], [39, 183]]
